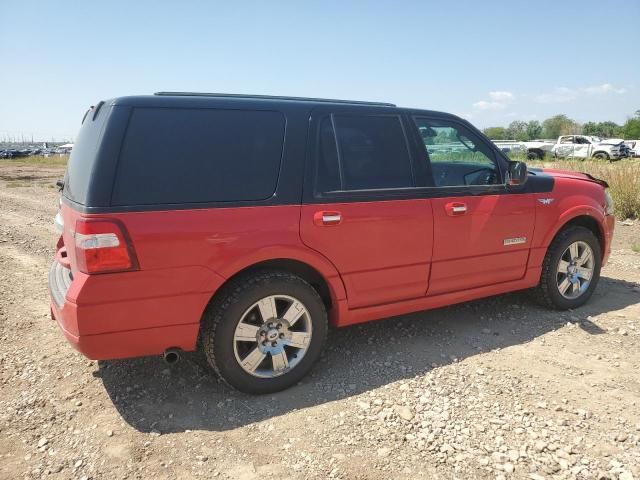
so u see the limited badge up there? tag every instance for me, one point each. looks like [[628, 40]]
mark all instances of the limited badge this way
[[515, 241]]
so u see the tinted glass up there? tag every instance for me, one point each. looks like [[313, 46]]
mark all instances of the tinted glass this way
[[457, 157], [371, 153], [199, 155], [83, 156], [328, 170]]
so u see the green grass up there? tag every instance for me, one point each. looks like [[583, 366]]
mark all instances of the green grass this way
[[636, 247], [622, 176]]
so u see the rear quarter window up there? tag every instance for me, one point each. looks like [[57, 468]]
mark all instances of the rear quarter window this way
[[174, 156]]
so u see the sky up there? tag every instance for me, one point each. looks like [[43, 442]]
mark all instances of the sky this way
[[491, 62]]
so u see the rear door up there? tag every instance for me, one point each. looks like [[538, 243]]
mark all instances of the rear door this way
[[362, 209], [482, 232]]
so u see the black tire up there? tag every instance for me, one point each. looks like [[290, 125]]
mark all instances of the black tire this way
[[225, 312], [547, 292], [535, 155], [601, 155]]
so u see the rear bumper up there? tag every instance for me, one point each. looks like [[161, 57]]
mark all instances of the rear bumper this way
[[125, 344], [75, 321]]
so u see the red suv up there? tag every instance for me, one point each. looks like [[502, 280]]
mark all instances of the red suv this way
[[244, 226]]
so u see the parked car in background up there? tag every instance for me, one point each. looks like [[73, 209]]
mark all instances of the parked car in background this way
[[511, 147], [8, 150], [533, 149], [584, 146], [244, 226]]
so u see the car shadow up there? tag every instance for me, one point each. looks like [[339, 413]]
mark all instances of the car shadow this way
[[152, 397]]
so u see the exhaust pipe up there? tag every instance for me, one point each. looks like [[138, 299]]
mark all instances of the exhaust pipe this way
[[171, 356]]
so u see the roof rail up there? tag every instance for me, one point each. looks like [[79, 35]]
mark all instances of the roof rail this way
[[269, 97]]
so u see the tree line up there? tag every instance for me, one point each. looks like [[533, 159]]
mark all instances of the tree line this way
[[562, 125]]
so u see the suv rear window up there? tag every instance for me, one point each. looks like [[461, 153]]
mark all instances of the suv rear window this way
[[174, 156]]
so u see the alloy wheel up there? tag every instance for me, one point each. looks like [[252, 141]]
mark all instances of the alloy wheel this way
[[272, 336], [575, 270]]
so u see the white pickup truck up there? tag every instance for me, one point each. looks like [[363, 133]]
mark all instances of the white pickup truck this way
[[533, 149], [584, 146]]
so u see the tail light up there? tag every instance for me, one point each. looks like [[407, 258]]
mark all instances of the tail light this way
[[103, 246], [608, 202]]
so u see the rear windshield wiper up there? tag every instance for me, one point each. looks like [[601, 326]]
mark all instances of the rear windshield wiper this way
[[93, 108]]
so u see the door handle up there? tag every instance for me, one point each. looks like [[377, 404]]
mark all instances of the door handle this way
[[324, 218], [455, 209]]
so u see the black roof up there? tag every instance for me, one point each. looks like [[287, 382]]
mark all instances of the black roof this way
[[231, 100], [270, 97], [177, 99]]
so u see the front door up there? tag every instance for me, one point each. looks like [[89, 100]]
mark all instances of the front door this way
[[482, 233], [363, 211], [565, 146], [581, 147]]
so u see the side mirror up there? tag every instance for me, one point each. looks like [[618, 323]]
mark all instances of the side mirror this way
[[516, 173]]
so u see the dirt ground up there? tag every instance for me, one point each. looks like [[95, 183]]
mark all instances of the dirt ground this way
[[497, 388]]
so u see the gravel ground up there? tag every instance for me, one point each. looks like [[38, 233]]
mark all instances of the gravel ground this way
[[499, 388]]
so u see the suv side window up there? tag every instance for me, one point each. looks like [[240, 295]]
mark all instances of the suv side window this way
[[181, 155], [362, 152], [457, 156]]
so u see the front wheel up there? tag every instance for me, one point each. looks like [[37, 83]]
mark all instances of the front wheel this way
[[571, 269], [601, 155], [264, 332]]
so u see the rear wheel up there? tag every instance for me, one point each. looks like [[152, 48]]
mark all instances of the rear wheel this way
[[571, 269], [264, 332]]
